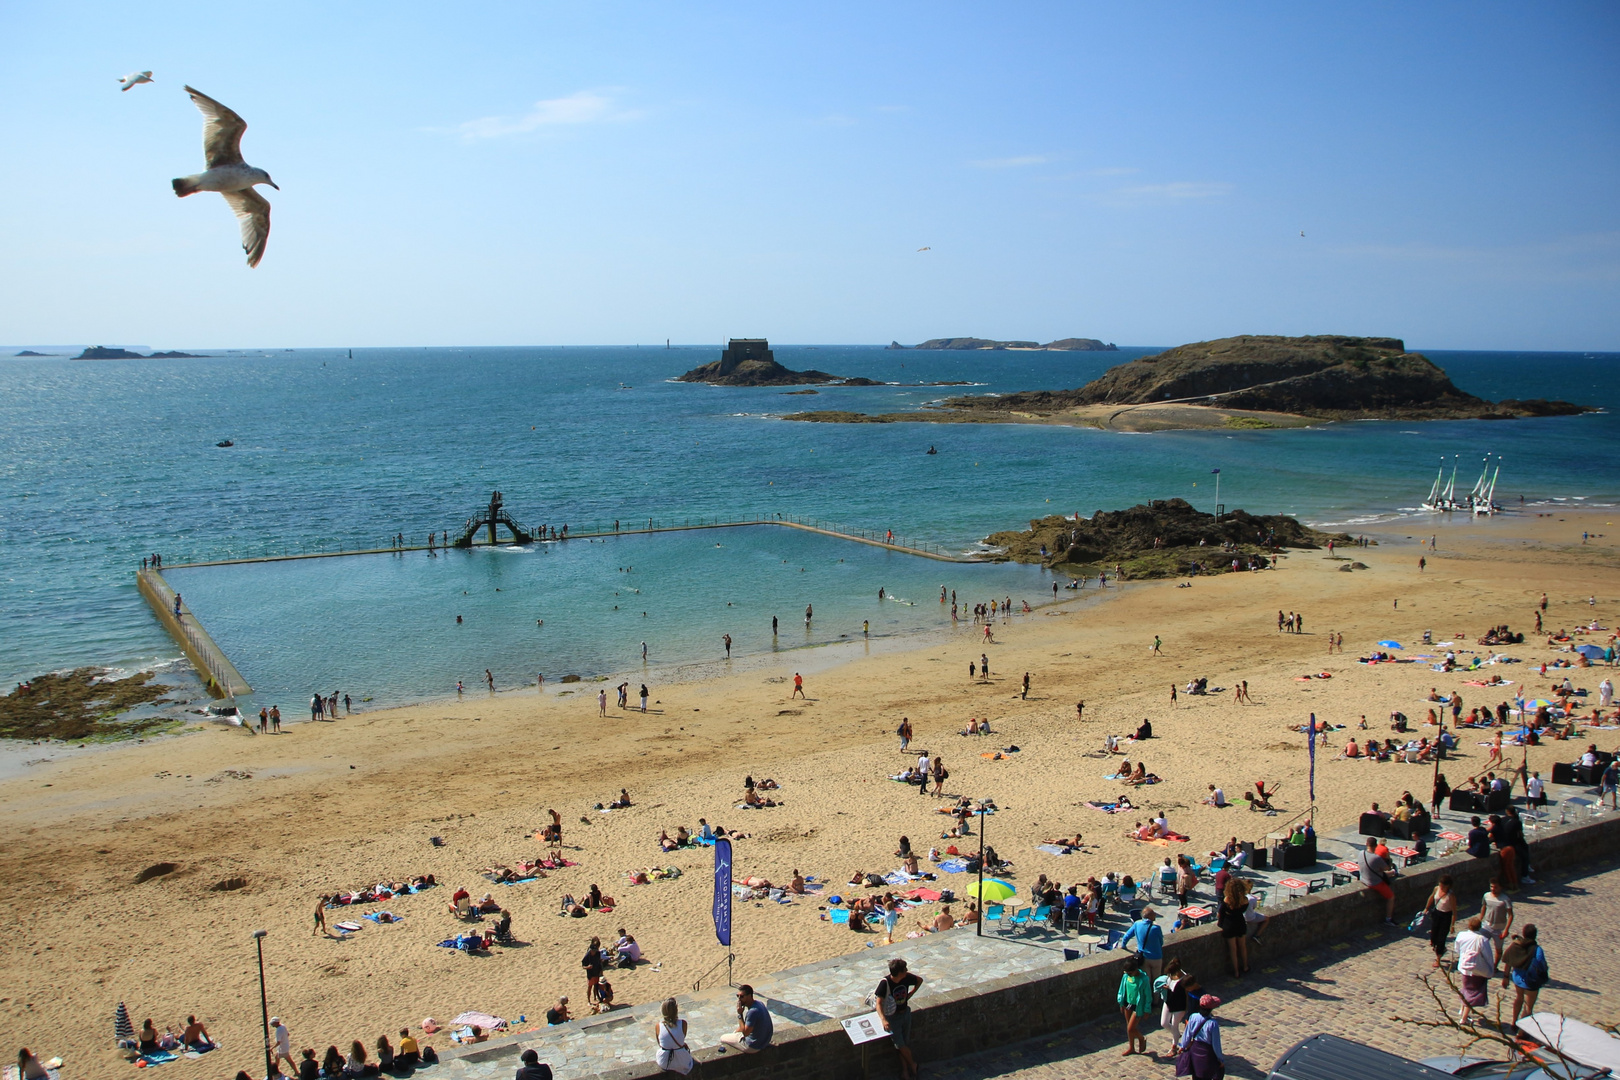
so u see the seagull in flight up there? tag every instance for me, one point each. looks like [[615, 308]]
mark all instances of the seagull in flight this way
[[925, 249], [135, 80], [229, 175]]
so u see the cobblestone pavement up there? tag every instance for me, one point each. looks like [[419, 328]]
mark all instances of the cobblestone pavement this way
[[1349, 988]]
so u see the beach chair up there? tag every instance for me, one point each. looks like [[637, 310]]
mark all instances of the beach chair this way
[[1112, 941], [463, 908], [1125, 899], [1216, 865], [1021, 917], [1039, 915], [1194, 864], [995, 913]]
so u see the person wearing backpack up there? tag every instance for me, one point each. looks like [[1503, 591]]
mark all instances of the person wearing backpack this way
[[892, 1003], [1526, 970], [1200, 1056]]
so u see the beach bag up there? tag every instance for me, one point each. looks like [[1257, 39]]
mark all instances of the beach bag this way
[[887, 1001], [1197, 1058]]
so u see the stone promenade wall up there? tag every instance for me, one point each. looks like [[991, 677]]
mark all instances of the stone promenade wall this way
[[1019, 1007]]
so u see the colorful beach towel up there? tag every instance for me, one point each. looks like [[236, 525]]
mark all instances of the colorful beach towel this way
[[1053, 849], [377, 917], [922, 894], [1105, 807], [954, 866]]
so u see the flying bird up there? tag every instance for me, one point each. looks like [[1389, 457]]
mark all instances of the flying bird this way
[[229, 175], [925, 249], [135, 80]]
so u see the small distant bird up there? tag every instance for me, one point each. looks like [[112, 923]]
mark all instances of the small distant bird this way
[[135, 79], [229, 175], [925, 249], [1302, 232]]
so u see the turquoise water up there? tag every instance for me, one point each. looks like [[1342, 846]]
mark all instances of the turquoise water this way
[[104, 462]]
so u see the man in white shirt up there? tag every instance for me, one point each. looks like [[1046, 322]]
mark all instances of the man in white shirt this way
[[1216, 796], [281, 1044], [1536, 790], [1589, 758]]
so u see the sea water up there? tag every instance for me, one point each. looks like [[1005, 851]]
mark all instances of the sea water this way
[[105, 462]]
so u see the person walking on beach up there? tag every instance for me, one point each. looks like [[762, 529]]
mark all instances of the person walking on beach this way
[[1157, 642], [773, 626], [489, 680], [1080, 711], [905, 733], [727, 638], [348, 706], [1025, 695], [798, 686], [320, 918], [984, 666], [643, 652], [809, 612], [644, 697], [1422, 562]]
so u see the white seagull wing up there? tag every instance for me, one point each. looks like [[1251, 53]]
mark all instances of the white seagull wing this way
[[253, 211], [222, 131]]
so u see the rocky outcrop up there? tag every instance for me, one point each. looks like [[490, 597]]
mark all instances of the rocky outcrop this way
[[1158, 539], [750, 362], [102, 352], [1328, 376]]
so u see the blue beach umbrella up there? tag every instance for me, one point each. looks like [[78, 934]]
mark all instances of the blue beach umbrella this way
[[1591, 652], [1390, 644]]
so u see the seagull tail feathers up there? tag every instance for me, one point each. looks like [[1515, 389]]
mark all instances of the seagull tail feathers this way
[[185, 185]]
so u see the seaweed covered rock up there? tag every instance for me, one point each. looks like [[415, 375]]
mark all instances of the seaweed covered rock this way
[[1166, 538]]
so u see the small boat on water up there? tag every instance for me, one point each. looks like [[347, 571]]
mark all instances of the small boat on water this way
[[225, 442], [1480, 500]]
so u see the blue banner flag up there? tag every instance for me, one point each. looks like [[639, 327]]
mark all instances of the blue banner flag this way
[[1214, 471], [1310, 741], [722, 891]]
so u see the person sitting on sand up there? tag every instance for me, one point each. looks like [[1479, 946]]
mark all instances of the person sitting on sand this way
[[1140, 776], [1124, 772], [196, 1035], [622, 802], [594, 899], [1351, 750], [487, 905], [1215, 798], [1110, 744], [857, 878], [149, 1038], [796, 884], [558, 1013], [941, 922]]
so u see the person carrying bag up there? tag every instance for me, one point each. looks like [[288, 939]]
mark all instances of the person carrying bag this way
[[673, 1054], [1200, 1056]]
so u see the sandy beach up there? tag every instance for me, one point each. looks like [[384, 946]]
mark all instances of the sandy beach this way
[[326, 807]]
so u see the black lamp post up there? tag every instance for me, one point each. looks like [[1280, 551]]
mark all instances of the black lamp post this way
[[978, 927], [264, 1005]]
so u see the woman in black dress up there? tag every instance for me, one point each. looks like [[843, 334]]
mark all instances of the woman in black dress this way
[[1234, 927]]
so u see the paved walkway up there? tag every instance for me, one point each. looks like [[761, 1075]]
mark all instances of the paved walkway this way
[[1349, 988]]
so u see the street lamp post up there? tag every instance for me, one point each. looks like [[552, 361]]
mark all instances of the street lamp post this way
[[978, 927], [264, 1005]]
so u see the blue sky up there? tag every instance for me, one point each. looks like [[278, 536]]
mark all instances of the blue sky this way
[[622, 173]]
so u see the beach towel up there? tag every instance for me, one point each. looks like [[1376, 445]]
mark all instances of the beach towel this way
[[899, 877], [1053, 849], [840, 916], [489, 1023], [376, 916], [159, 1057], [922, 894], [1105, 807], [954, 866], [705, 841], [1118, 776]]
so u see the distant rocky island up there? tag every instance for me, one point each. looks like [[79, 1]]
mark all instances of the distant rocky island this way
[[1165, 538], [1068, 344], [103, 352], [750, 362], [1252, 381], [31, 352]]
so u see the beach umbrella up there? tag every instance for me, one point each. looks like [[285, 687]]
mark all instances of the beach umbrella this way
[[122, 1028], [1390, 644], [1591, 652], [994, 890]]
